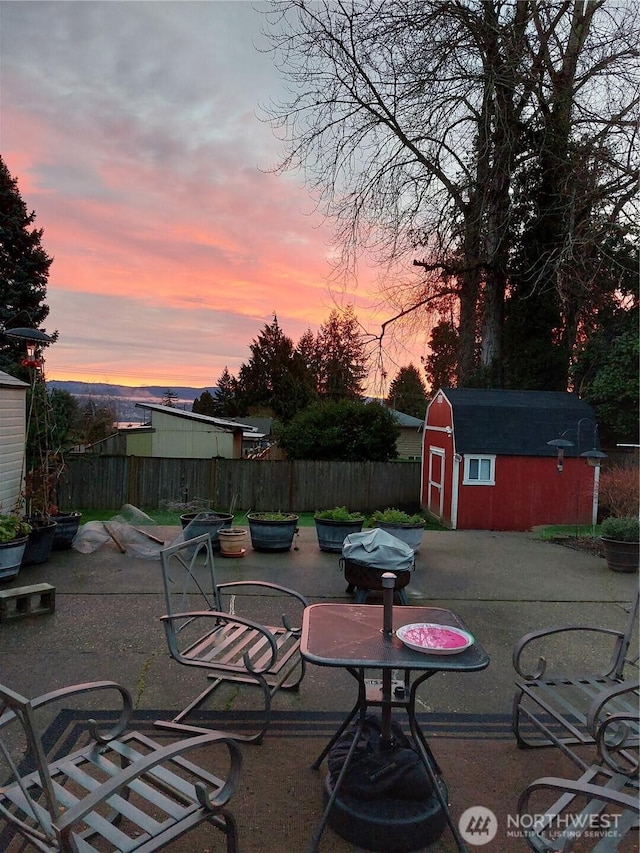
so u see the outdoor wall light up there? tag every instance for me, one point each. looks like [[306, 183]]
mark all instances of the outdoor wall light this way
[[594, 457]]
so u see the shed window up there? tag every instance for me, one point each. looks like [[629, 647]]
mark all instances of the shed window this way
[[479, 470]]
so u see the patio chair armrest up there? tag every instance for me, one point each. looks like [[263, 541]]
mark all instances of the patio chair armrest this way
[[578, 788], [77, 690], [533, 636], [617, 741], [220, 616], [143, 765]]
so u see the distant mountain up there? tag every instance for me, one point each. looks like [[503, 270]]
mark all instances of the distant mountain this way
[[124, 398]]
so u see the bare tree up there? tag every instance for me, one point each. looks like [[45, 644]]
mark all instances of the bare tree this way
[[411, 121]]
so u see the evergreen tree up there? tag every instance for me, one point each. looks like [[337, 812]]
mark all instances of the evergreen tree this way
[[169, 398], [407, 393], [345, 430], [341, 357], [24, 272], [204, 404], [275, 379], [440, 366], [226, 403]]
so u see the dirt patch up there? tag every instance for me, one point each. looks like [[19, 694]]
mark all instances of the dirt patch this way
[[588, 544]]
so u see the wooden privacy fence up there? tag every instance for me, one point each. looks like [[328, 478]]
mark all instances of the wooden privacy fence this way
[[108, 482]]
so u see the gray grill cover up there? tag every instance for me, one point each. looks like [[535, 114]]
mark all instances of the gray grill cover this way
[[378, 549]]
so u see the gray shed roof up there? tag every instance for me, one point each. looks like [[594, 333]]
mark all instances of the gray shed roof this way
[[519, 423], [9, 381]]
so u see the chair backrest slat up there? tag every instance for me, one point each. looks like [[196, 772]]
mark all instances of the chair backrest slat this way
[[188, 573], [16, 710]]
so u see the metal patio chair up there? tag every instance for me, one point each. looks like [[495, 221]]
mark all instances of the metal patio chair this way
[[600, 809], [118, 788], [229, 647], [553, 706]]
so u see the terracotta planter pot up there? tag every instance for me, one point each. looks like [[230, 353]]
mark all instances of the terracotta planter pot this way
[[233, 541]]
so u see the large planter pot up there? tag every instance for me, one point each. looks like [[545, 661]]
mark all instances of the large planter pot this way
[[206, 522], [272, 534], [331, 534], [39, 542], [411, 534], [233, 541], [621, 556], [11, 554], [67, 524]]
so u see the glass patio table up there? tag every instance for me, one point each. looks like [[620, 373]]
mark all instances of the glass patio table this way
[[363, 637]]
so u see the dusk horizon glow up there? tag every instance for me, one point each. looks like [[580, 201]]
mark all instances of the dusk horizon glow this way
[[133, 131]]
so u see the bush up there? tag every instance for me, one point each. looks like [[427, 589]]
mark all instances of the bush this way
[[622, 528], [338, 513], [619, 492], [395, 516], [345, 431]]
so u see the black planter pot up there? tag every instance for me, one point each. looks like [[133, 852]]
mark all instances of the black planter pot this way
[[621, 556], [67, 524], [206, 522], [39, 542]]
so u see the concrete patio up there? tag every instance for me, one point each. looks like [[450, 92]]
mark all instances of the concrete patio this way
[[105, 624]]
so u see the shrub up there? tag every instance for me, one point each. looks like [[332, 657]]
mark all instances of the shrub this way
[[395, 516], [619, 492], [622, 528], [338, 513]]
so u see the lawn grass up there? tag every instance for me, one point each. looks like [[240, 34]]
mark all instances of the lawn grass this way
[[240, 517], [556, 531]]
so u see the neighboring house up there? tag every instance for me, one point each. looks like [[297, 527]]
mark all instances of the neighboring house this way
[[175, 434], [409, 442], [257, 437], [487, 464], [13, 396]]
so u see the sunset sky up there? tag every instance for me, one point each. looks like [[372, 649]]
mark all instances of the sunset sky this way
[[133, 131]]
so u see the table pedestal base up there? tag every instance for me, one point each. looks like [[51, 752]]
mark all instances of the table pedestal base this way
[[386, 825]]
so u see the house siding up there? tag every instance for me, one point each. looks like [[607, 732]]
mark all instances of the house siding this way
[[12, 442], [528, 491]]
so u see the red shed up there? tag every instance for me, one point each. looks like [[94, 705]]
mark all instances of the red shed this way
[[487, 463]]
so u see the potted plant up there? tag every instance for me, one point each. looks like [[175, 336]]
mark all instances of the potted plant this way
[[67, 524], [232, 541], [272, 531], [621, 540], [39, 492], [14, 532], [334, 525], [209, 521], [408, 528]]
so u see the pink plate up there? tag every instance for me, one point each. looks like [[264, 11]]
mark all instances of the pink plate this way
[[435, 639]]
